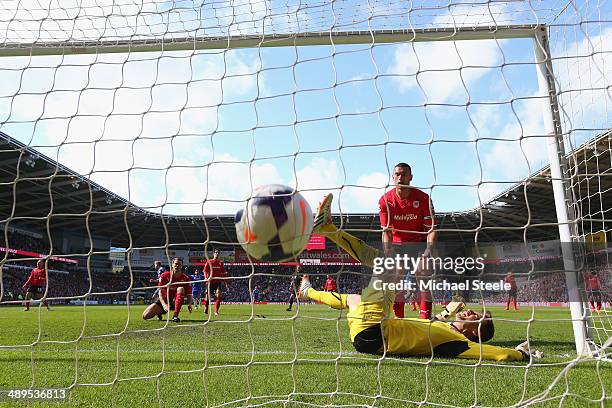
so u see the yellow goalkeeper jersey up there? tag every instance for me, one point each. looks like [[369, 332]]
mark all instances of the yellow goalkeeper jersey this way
[[421, 337]]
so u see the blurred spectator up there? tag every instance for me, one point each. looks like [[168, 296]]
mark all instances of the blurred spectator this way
[[25, 242], [538, 282]]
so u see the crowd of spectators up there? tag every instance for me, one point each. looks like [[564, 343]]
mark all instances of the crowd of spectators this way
[[549, 287], [268, 283], [537, 281], [70, 285], [273, 284], [545, 281], [25, 242]]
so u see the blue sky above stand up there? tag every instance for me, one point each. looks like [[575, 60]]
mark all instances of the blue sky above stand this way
[[194, 132]]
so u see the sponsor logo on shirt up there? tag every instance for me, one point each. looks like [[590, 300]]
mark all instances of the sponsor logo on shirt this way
[[405, 217]]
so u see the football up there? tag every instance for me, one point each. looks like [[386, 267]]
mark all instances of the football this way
[[275, 224]]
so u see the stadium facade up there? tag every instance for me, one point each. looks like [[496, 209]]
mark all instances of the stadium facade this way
[[84, 220]]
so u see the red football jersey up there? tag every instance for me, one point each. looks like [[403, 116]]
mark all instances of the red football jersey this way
[[38, 277], [164, 279], [214, 269], [406, 217], [591, 281], [330, 285], [511, 281]]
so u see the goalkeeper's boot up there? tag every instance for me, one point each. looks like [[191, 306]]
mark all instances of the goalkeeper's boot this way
[[323, 214], [304, 287], [176, 319]]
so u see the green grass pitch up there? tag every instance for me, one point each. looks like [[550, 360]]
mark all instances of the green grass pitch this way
[[266, 355]]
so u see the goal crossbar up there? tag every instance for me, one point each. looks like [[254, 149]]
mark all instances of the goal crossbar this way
[[70, 47]]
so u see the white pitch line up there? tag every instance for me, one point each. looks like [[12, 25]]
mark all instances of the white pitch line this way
[[240, 353], [175, 350]]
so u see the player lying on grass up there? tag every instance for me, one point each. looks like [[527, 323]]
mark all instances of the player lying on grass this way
[[374, 331], [173, 286]]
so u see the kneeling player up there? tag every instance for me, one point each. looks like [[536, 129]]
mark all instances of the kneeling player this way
[[374, 331], [173, 285]]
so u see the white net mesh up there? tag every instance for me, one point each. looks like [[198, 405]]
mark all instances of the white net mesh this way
[[128, 126], [584, 117], [38, 22]]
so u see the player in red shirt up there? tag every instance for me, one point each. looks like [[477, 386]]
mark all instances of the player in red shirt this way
[[35, 285], [173, 286], [512, 291], [330, 284], [214, 274], [591, 284], [407, 218]]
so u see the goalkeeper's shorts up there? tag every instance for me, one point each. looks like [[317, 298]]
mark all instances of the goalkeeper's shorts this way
[[370, 340]]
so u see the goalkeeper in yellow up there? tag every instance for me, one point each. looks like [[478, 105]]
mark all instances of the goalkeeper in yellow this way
[[374, 330]]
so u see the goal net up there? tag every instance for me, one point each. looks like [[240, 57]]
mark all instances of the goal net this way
[[131, 132]]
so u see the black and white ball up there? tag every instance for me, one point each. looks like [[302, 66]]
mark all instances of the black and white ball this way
[[275, 224]]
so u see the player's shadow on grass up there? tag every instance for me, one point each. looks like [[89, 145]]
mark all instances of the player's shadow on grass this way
[[536, 343], [188, 321]]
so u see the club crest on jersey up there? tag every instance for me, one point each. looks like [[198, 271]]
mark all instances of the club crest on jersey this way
[[416, 204]]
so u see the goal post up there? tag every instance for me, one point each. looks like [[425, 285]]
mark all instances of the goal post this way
[[559, 177]]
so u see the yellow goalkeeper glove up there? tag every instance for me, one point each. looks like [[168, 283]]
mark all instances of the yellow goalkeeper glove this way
[[527, 352], [452, 309]]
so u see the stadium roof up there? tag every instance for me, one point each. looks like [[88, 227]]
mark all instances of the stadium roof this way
[[37, 193]]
